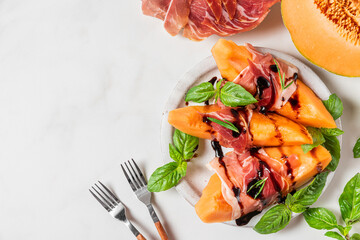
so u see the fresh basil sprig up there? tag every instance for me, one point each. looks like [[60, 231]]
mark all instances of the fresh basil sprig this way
[[317, 137], [332, 144], [356, 149], [227, 124], [231, 94], [282, 78], [334, 105], [259, 184], [331, 131], [168, 175], [349, 201], [307, 196], [277, 217], [234, 95]]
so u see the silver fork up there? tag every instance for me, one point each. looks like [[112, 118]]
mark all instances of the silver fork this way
[[113, 205], [139, 186]]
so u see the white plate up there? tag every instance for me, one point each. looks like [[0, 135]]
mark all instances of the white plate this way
[[198, 174]]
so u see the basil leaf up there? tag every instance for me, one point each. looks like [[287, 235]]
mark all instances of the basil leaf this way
[[167, 176], [225, 123], [218, 86], [347, 230], [174, 153], [334, 235], [333, 146], [185, 144], [356, 149], [317, 137], [355, 236], [349, 201], [274, 220], [320, 218], [309, 195], [331, 131], [200, 93], [234, 95], [290, 202], [334, 106]]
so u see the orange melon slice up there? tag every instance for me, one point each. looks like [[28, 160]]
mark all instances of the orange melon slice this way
[[267, 130], [306, 108], [230, 58], [212, 206]]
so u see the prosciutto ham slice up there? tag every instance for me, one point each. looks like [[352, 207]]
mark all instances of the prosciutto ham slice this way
[[238, 173], [240, 117], [203, 18], [261, 78]]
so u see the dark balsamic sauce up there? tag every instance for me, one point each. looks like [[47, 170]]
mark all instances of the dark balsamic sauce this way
[[294, 102], [246, 218], [218, 150], [278, 133], [252, 193], [319, 167], [213, 80], [262, 83], [274, 68], [186, 103], [262, 110], [206, 120], [289, 170], [295, 76], [207, 103]]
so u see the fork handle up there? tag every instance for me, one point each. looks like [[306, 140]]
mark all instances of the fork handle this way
[[161, 231], [157, 222], [140, 237]]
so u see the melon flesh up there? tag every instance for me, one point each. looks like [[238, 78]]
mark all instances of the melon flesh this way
[[321, 37], [230, 58], [212, 206], [306, 108]]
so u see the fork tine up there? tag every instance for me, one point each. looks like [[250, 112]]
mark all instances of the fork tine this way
[[109, 192], [107, 196], [128, 178], [103, 198], [100, 201], [136, 175], [140, 173], [132, 176]]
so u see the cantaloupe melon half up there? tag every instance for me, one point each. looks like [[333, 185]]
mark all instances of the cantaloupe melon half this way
[[269, 130], [326, 32], [306, 108], [212, 207]]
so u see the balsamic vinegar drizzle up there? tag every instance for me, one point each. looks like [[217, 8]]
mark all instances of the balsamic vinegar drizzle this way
[[241, 221], [212, 80], [262, 83]]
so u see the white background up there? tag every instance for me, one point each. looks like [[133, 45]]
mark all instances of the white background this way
[[82, 88]]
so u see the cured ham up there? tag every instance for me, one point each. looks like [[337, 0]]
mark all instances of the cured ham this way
[[240, 117], [262, 79], [239, 173], [203, 18]]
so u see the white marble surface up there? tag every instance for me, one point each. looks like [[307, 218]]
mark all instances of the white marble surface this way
[[82, 87]]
